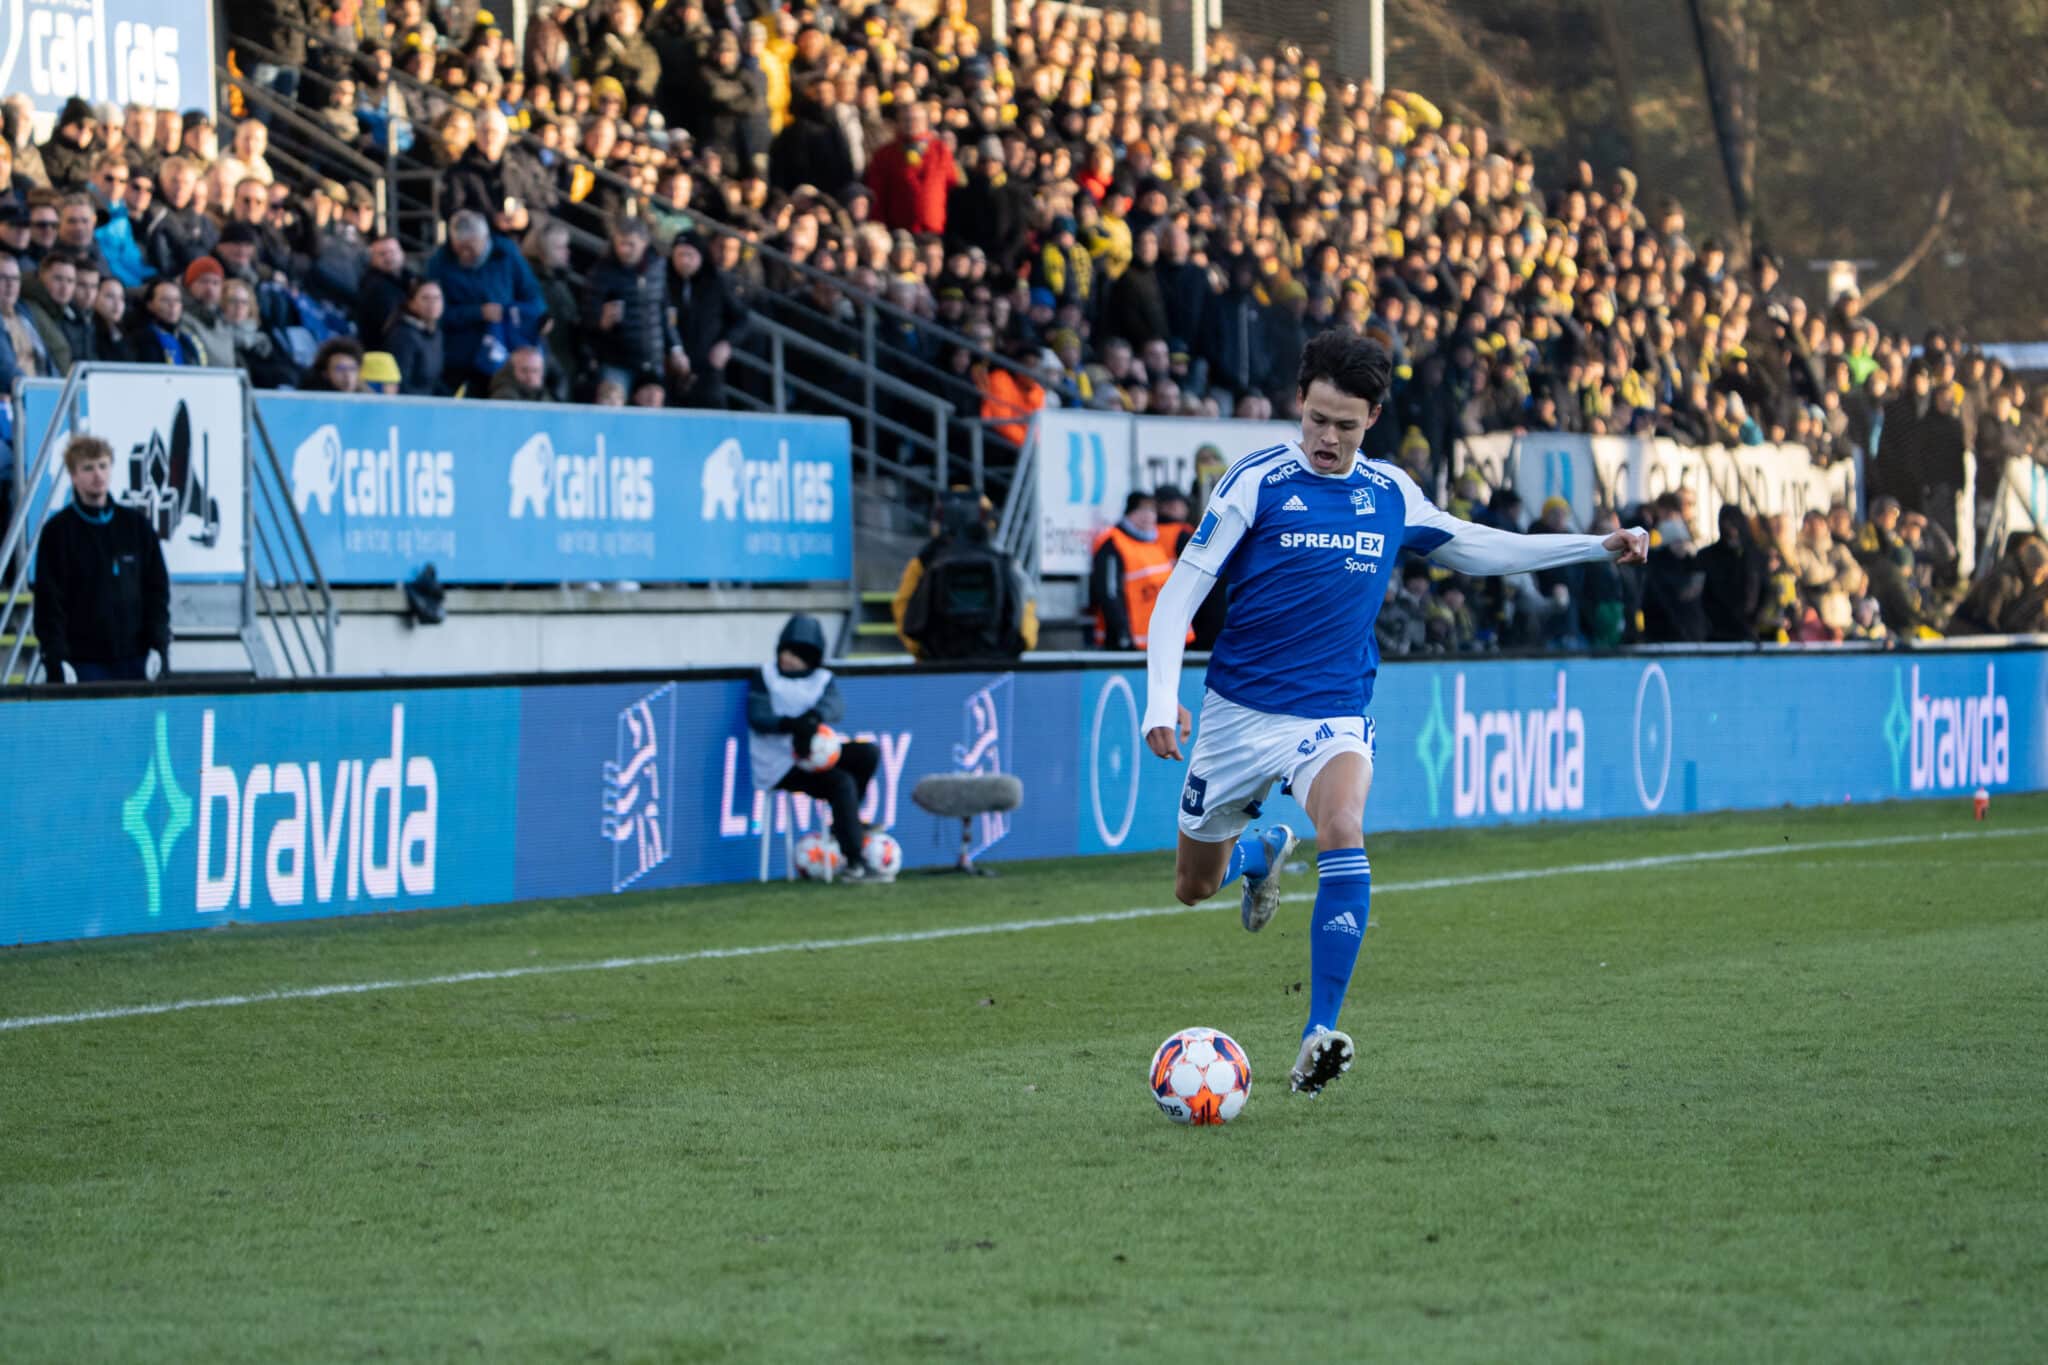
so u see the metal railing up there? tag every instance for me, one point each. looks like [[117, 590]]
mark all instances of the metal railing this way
[[282, 611]]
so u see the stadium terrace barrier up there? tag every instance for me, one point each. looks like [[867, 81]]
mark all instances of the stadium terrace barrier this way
[[1090, 460], [185, 810], [550, 493]]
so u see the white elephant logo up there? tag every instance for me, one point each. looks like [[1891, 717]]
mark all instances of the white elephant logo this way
[[533, 469], [722, 472], [316, 469]]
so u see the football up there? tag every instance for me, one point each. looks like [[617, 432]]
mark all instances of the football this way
[[1200, 1076], [882, 854], [818, 857], [824, 751]]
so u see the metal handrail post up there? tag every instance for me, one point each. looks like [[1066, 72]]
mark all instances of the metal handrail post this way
[[18, 533], [868, 363], [291, 508]]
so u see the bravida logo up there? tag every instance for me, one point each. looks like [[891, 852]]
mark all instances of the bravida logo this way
[[1956, 743], [159, 785], [1513, 762], [369, 830]]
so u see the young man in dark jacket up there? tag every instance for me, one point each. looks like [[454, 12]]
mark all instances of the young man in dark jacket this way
[[627, 307], [788, 701], [103, 596]]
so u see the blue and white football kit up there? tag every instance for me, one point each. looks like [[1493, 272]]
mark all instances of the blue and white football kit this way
[[1310, 557]]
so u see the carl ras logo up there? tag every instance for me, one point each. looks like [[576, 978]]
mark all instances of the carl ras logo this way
[[156, 844]]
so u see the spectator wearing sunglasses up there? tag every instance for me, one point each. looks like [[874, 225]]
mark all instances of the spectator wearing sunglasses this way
[[121, 236], [42, 226]]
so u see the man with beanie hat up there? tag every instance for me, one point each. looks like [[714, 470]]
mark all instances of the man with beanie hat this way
[[788, 702], [67, 156], [204, 280]]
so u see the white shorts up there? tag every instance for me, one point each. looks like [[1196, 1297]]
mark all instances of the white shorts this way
[[1240, 753]]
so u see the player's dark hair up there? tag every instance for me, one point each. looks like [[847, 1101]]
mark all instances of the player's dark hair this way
[[1355, 365]]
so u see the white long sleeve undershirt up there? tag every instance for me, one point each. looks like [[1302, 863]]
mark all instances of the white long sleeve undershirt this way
[[1174, 610], [1484, 551], [1481, 551]]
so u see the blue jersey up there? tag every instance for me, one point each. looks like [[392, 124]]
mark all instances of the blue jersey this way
[[1309, 557]]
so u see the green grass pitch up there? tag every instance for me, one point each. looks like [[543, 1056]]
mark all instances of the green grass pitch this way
[[1785, 1106]]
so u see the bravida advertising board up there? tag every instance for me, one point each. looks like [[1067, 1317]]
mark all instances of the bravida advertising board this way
[[183, 812], [192, 810]]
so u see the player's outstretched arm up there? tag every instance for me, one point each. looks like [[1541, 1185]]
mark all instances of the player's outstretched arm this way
[[1167, 723], [1485, 551]]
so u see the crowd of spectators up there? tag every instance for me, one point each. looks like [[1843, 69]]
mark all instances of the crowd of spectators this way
[[1817, 578], [1128, 235]]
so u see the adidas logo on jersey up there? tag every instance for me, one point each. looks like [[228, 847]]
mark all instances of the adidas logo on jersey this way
[[1346, 923], [1294, 504]]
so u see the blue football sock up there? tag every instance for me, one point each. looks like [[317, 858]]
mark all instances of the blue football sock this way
[[1247, 859], [1343, 896]]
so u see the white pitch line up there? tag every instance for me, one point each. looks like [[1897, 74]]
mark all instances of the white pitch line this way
[[613, 964], [1527, 874]]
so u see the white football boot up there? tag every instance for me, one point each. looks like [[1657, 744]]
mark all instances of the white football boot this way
[[1262, 894], [1325, 1055]]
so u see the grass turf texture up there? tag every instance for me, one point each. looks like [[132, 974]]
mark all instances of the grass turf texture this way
[[1779, 1107]]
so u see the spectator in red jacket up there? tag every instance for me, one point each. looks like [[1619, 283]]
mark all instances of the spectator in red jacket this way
[[911, 177]]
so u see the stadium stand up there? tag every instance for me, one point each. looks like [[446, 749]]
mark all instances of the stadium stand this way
[[916, 221]]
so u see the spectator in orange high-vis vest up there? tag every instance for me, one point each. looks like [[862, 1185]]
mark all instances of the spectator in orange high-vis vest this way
[[1132, 561], [1008, 394]]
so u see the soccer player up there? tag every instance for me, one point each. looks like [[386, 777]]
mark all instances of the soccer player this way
[[1309, 535]]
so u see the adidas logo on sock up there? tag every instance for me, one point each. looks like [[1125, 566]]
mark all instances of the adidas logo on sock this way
[[1294, 504], [1346, 923]]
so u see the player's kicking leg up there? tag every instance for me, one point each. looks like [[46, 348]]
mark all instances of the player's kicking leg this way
[[1336, 802], [1201, 869]]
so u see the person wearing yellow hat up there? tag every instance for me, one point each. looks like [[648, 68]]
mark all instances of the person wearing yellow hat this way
[[380, 372]]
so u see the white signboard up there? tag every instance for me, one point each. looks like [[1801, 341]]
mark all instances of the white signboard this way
[[1167, 446], [1084, 471], [179, 459]]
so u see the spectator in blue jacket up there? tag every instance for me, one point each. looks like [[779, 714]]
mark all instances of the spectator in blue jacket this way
[[120, 238], [493, 301]]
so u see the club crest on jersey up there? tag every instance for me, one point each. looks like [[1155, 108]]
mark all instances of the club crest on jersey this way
[[1361, 502]]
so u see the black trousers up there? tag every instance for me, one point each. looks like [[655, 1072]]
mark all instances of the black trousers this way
[[842, 786]]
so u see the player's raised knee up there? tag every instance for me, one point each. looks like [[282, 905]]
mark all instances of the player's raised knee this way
[[1340, 831], [1192, 888]]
